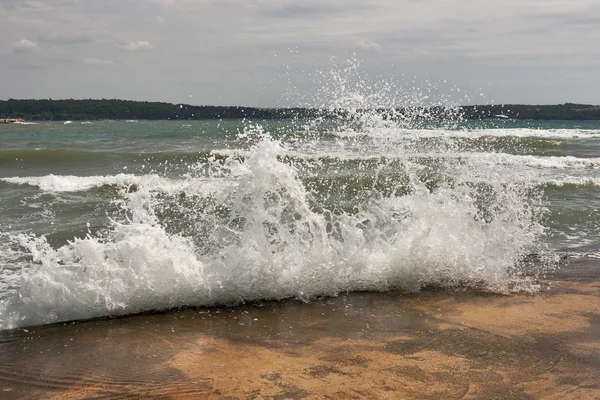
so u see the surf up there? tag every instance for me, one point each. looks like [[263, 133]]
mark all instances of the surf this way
[[260, 222]]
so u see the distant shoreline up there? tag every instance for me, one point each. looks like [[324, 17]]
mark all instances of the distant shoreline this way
[[92, 110]]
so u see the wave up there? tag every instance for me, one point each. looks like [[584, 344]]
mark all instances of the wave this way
[[361, 156], [70, 183], [567, 184], [546, 162], [393, 133], [313, 216], [494, 143], [358, 155], [357, 167], [265, 236], [383, 182]]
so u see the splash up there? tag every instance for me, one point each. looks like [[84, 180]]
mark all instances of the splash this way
[[290, 219]]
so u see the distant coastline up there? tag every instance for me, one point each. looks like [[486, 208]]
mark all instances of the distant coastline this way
[[15, 110]]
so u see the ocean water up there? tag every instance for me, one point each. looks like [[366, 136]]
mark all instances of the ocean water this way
[[112, 218]]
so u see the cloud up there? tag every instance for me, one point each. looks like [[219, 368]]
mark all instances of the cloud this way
[[137, 45], [294, 10], [100, 62], [25, 46], [238, 51], [66, 38], [368, 45]]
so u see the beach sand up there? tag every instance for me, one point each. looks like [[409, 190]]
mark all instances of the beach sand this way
[[433, 345]]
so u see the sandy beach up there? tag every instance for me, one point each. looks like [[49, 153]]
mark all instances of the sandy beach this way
[[436, 345]]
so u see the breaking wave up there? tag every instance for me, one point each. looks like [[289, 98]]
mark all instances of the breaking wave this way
[[265, 223]]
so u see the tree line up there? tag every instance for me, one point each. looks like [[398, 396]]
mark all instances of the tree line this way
[[70, 109]]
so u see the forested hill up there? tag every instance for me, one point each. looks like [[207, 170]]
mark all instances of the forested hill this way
[[567, 111], [61, 110]]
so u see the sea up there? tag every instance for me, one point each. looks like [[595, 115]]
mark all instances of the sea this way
[[110, 218]]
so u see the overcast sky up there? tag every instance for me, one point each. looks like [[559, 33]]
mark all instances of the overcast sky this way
[[278, 52]]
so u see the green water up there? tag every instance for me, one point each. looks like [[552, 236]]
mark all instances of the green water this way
[[563, 155]]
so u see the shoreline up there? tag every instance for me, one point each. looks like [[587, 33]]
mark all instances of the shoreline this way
[[439, 344], [76, 109]]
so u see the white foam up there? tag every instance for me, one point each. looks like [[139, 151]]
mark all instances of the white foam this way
[[568, 180], [544, 162], [474, 158], [137, 268], [391, 132], [71, 183]]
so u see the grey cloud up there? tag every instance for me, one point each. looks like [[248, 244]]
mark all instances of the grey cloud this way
[[25, 46], [584, 19], [100, 62], [25, 5], [305, 9], [368, 45], [66, 38], [136, 45]]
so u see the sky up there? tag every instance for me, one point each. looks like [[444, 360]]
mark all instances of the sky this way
[[269, 53]]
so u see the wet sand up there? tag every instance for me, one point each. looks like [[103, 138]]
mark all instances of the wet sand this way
[[434, 345]]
